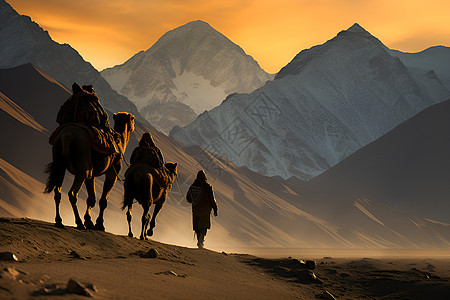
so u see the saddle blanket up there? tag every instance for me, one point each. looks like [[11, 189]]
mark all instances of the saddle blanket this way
[[101, 142], [159, 176]]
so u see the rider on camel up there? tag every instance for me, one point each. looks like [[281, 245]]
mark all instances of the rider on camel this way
[[83, 107], [148, 154], [91, 112]]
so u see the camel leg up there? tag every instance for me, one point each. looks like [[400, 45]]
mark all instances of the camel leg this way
[[130, 233], [158, 207], [73, 194], [90, 202], [60, 172], [58, 219], [110, 180], [145, 220]]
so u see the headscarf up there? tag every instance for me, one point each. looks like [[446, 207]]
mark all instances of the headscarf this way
[[147, 140], [89, 88], [201, 179], [76, 88]]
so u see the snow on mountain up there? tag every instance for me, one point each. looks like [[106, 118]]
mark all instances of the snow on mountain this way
[[433, 60], [328, 102], [23, 41], [188, 70]]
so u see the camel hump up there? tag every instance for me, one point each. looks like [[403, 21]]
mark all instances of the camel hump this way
[[101, 142]]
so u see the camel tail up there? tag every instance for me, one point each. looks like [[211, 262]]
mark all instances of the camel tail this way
[[53, 170], [57, 168], [130, 187]]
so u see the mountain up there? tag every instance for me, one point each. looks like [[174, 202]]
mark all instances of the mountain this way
[[408, 168], [254, 210], [23, 41], [328, 102], [435, 59], [29, 119], [21, 193], [188, 70]]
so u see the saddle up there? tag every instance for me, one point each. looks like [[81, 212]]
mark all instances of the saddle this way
[[79, 109], [101, 142], [160, 176]]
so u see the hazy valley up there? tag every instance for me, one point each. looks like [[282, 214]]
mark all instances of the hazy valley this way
[[308, 119]]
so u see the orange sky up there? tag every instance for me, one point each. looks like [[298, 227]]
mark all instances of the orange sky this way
[[108, 32]]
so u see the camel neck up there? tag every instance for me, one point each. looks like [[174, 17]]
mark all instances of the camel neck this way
[[124, 137]]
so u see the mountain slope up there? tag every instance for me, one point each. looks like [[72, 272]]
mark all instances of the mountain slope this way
[[435, 59], [328, 102], [20, 194], [254, 210], [47, 90], [188, 70], [27, 121], [408, 168], [23, 41], [19, 114]]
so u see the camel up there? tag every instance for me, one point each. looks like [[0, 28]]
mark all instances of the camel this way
[[140, 185], [72, 151]]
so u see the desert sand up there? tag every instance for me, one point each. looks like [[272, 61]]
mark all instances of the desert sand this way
[[108, 266]]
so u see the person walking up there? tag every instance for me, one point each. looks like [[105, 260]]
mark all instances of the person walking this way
[[201, 196]]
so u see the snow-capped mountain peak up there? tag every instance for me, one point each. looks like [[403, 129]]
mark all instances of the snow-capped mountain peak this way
[[328, 102], [350, 40], [357, 28], [190, 69]]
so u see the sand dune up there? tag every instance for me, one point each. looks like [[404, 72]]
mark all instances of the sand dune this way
[[108, 266], [49, 257]]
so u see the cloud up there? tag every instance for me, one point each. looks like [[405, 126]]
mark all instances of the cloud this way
[[108, 32], [416, 43]]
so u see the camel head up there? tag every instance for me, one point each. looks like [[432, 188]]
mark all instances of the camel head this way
[[123, 122], [123, 125], [172, 167], [87, 92]]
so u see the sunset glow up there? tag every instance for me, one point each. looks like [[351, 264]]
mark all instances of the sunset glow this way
[[108, 32]]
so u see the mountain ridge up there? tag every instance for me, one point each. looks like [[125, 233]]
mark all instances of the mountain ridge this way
[[303, 56], [433, 59], [328, 102], [24, 41]]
